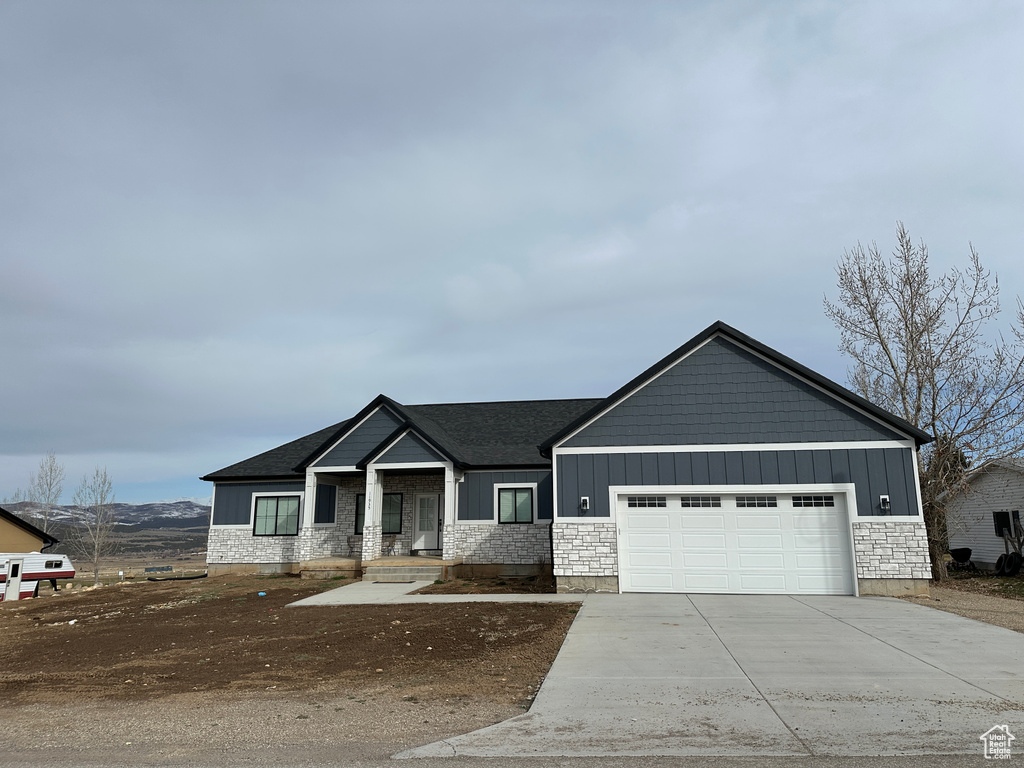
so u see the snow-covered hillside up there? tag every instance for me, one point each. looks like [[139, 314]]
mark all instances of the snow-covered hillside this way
[[150, 514]]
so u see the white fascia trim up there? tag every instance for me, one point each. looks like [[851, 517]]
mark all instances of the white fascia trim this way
[[349, 431], [662, 372], [411, 465], [735, 447], [328, 470]]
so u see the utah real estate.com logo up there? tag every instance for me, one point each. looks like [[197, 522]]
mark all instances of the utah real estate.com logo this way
[[997, 742]]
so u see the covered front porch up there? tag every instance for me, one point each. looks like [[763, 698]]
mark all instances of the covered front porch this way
[[386, 512]]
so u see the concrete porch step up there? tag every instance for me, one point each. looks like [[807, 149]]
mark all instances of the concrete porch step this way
[[393, 573], [329, 568]]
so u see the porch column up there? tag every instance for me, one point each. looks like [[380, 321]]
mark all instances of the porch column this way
[[309, 501], [372, 527], [451, 487], [306, 517]]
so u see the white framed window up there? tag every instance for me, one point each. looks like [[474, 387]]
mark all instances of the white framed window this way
[[276, 514], [515, 503], [744, 502], [647, 501], [814, 501], [700, 501]]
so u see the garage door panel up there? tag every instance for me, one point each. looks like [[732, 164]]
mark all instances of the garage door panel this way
[[818, 560], [704, 560], [815, 521], [705, 582], [648, 540], [750, 541], [653, 559], [766, 583], [758, 522], [646, 522], [653, 581], [756, 560], [703, 541], [781, 549], [702, 522], [832, 542]]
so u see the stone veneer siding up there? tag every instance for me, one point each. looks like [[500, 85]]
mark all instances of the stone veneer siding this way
[[484, 543], [887, 549], [585, 549], [238, 545]]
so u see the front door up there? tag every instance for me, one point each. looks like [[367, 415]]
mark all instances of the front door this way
[[427, 510], [13, 579]]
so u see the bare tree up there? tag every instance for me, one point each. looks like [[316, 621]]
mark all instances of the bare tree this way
[[91, 537], [922, 348], [46, 487]]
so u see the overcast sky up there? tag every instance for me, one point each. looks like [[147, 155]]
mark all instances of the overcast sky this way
[[227, 224]]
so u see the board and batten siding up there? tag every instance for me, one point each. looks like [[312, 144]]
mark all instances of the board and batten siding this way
[[410, 448], [356, 445], [721, 394], [232, 504], [969, 520], [476, 492], [874, 471]]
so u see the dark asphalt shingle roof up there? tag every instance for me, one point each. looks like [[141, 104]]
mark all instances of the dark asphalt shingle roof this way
[[278, 462], [502, 434]]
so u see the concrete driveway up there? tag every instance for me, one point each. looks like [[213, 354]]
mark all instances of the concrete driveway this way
[[765, 675]]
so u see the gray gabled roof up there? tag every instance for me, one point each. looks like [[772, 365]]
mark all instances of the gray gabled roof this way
[[508, 434], [478, 435], [278, 463], [840, 392]]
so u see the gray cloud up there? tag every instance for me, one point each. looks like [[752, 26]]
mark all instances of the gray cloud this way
[[224, 224]]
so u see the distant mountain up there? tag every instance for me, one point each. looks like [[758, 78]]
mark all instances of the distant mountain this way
[[186, 513]]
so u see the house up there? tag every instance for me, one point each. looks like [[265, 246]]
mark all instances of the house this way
[[724, 467], [990, 502], [16, 535]]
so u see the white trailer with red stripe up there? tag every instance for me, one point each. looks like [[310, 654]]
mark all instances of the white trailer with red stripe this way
[[21, 572]]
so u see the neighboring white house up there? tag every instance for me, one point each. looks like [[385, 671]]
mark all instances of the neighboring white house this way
[[993, 497]]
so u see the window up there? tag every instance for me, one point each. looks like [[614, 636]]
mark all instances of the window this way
[[701, 501], [1002, 522], [515, 505], [814, 501], [746, 502], [390, 509], [646, 501], [277, 516], [326, 496], [51, 564]]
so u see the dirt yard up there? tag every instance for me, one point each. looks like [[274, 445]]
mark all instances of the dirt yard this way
[[151, 639], [164, 665]]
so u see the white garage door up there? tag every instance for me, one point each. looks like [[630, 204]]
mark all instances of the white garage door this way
[[791, 543]]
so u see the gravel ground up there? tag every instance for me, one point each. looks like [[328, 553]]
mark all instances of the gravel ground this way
[[992, 610]]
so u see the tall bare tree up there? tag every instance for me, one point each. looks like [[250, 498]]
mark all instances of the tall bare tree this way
[[46, 487], [91, 537], [922, 347]]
